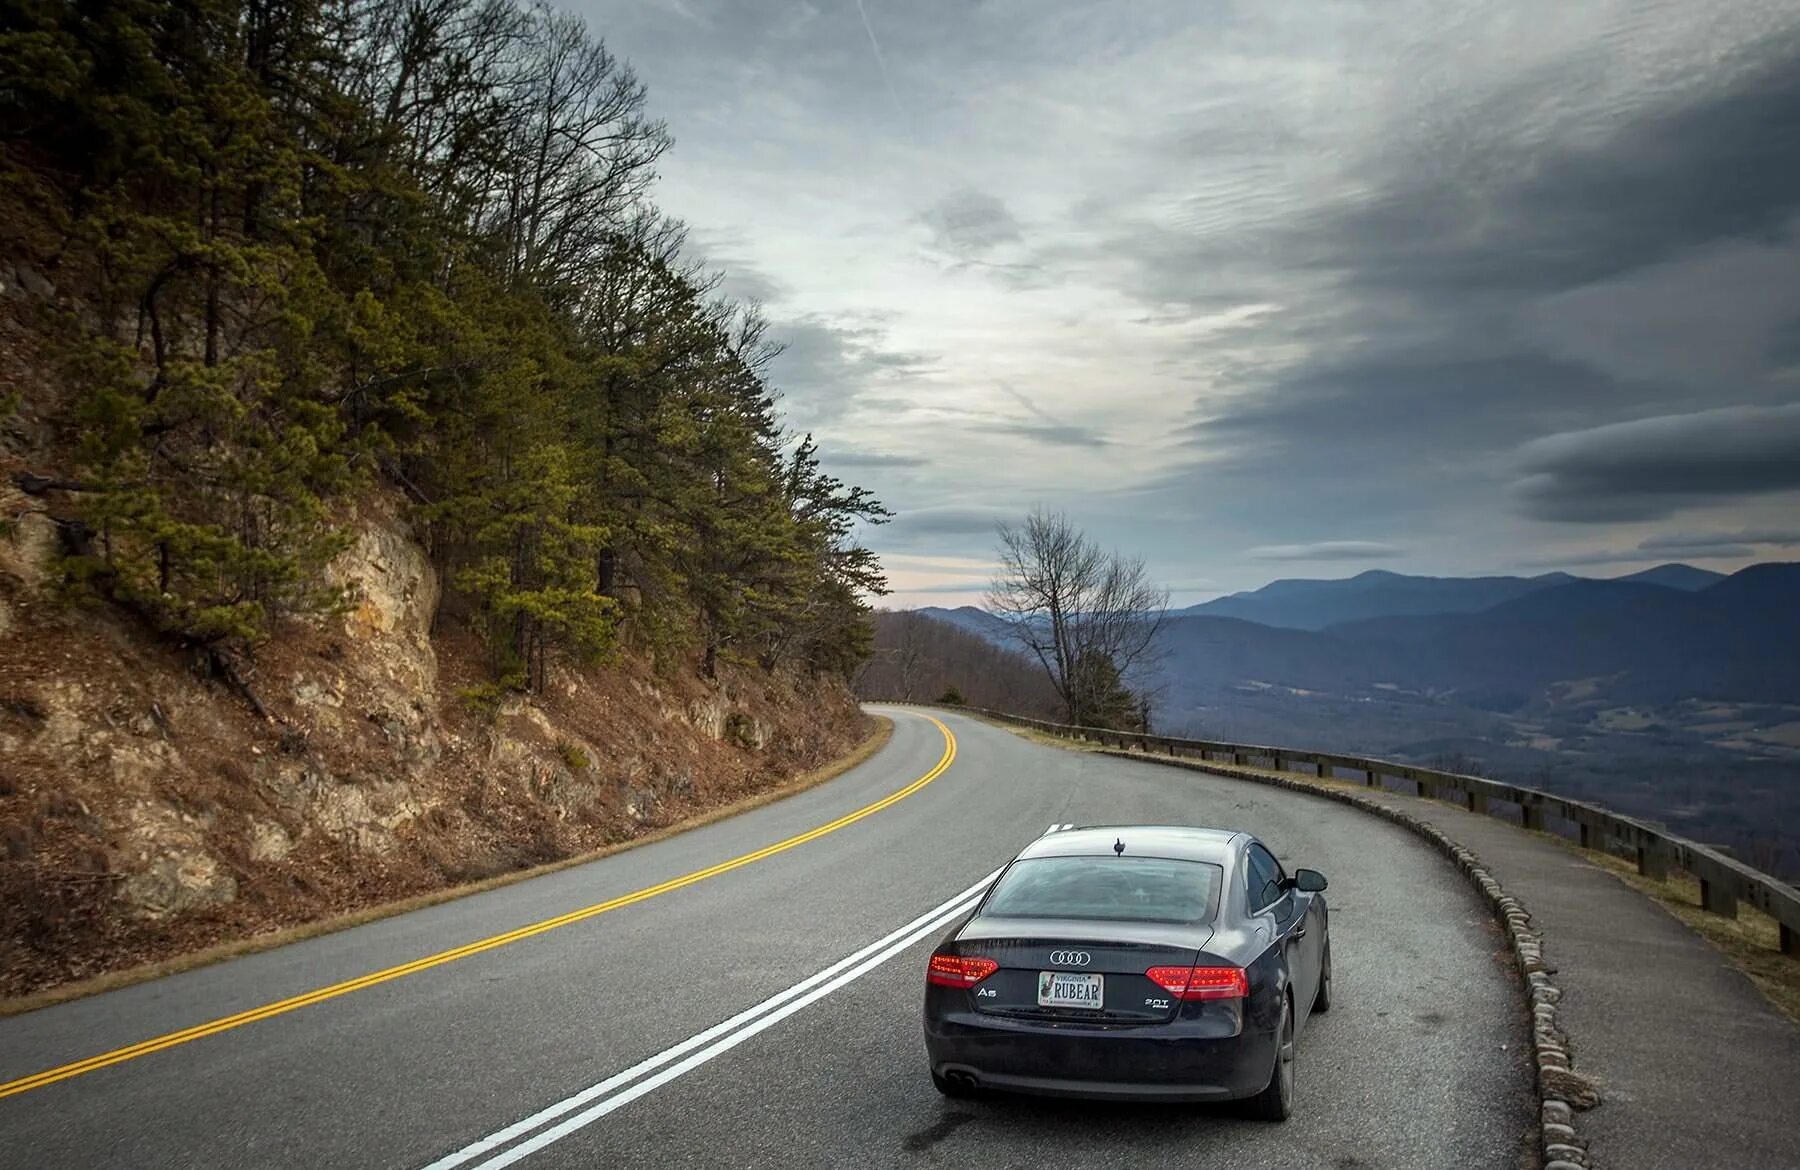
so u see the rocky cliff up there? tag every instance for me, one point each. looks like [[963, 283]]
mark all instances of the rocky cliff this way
[[147, 809]]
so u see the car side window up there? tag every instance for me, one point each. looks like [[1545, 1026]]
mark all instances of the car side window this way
[[1265, 878]]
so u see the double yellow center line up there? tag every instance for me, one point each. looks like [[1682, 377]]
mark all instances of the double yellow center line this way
[[281, 1007]]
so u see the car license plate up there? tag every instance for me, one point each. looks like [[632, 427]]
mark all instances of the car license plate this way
[[1069, 989]]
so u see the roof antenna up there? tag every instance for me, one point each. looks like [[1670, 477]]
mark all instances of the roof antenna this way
[[1119, 847]]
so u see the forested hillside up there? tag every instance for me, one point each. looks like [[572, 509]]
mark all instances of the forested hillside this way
[[918, 658], [297, 249], [386, 500]]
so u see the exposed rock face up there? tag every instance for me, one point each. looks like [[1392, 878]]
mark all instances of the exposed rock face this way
[[145, 810], [169, 869]]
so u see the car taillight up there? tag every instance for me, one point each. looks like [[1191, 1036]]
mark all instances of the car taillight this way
[[1201, 982], [959, 970]]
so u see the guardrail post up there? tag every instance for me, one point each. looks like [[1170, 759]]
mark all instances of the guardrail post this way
[[1715, 898], [1275, 762], [1587, 835], [1533, 813], [1237, 758], [1790, 941], [1653, 861], [1371, 778], [1475, 801]]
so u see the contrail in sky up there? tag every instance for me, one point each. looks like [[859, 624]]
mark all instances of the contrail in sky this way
[[880, 61]]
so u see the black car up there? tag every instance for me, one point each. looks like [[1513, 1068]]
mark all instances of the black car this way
[[1136, 963]]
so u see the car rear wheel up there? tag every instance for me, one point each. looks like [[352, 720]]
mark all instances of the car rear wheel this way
[[1276, 1102], [1322, 1001]]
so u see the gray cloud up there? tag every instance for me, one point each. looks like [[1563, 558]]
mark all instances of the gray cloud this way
[[967, 223], [945, 520], [1461, 241], [1488, 282], [843, 458], [1326, 550], [1491, 201], [725, 253], [1728, 539], [828, 363], [1054, 433], [1649, 468], [974, 587]]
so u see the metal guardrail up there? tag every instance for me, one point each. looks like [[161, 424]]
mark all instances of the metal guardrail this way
[[1724, 881]]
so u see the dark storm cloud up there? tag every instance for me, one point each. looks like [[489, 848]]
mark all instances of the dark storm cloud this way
[[1408, 303], [1327, 550], [1368, 406], [1648, 468], [1506, 210]]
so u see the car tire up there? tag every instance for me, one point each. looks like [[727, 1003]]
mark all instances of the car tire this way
[[1322, 1001], [1276, 1101], [951, 1089]]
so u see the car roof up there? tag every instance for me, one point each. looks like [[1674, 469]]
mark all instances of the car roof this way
[[1189, 843]]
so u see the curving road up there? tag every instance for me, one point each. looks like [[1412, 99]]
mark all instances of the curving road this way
[[767, 1014]]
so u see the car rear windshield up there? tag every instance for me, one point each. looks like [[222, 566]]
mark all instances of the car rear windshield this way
[[1131, 889]]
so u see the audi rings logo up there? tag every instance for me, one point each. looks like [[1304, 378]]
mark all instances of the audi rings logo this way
[[1071, 958]]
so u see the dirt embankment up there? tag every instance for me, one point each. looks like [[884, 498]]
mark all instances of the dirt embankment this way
[[146, 811]]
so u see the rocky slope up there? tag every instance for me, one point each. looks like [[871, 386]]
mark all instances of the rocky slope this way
[[147, 810]]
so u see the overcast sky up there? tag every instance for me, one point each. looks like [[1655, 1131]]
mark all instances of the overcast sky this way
[[1264, 289]]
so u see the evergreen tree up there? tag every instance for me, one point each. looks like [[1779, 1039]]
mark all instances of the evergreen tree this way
[[314, 243]]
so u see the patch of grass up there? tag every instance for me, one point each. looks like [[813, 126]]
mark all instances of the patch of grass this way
[[881, 731], [572, 755], [485, 698], [740, 729], [1036, 736]]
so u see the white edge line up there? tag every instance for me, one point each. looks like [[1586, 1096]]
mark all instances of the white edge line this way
[[922, 924]]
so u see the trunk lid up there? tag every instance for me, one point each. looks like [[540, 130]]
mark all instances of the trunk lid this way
[[1029, 949]]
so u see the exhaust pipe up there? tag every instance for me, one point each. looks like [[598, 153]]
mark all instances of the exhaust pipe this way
[[962, 1080]]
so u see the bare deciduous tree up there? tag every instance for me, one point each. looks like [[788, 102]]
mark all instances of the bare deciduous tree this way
[[1090, 617]]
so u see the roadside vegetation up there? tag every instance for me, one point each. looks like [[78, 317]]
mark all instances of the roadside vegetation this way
[[301, 249], [1088, 617], [918, 659]]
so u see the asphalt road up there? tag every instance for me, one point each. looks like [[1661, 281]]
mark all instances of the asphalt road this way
[[768, 1015]]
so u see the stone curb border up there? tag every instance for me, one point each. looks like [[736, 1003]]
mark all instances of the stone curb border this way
[[1561, 1090]]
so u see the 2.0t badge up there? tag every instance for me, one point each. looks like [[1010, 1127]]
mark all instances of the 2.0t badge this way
[[1070, 958]]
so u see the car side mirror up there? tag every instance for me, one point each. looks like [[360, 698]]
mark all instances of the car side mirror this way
[[1309, 881]]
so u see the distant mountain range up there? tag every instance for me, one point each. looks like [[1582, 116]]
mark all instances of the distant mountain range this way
[[1496, 643], [1673, 693], [1313, 605]]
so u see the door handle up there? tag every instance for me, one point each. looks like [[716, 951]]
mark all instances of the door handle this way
[[1300, 934]]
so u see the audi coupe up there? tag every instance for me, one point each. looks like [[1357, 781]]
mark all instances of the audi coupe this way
[[1137, 963]]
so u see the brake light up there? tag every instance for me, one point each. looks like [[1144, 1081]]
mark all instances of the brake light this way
[[1201, 982], [959, 970]]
